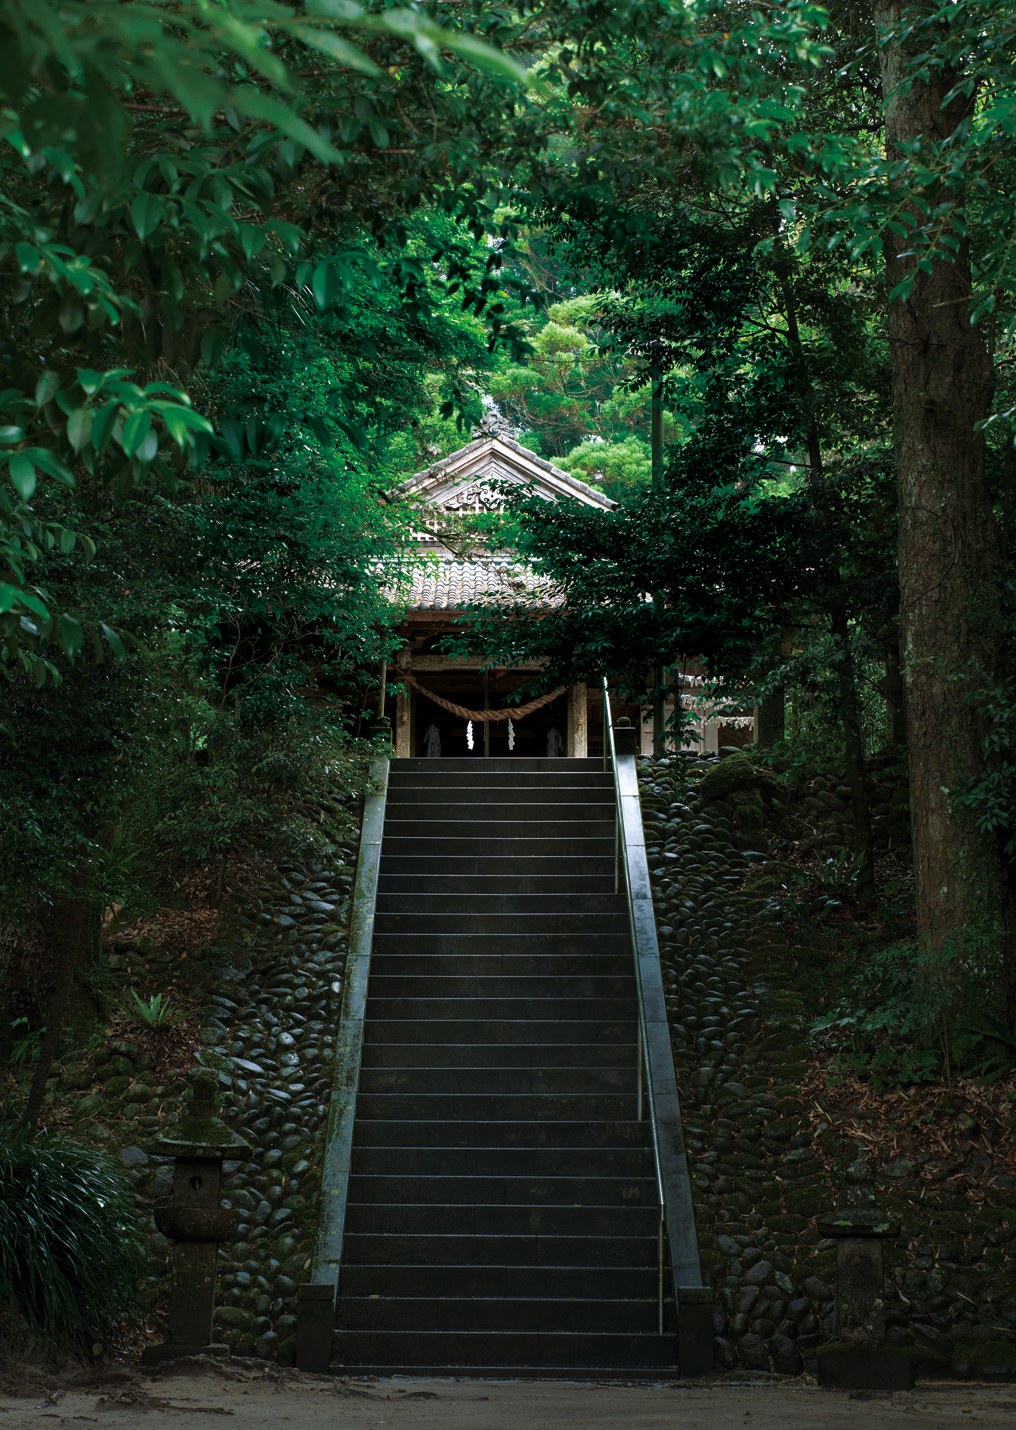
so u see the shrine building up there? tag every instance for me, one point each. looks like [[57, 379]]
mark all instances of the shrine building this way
[[572, 723]]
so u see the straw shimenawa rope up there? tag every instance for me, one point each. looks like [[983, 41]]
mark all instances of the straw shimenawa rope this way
[[515, 713]]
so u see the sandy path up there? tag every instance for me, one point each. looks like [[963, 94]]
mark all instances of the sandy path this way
[[250, 1401]]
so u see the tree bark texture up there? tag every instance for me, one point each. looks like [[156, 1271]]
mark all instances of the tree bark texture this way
[[949, 555]]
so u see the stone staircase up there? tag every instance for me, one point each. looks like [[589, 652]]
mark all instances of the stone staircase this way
[[502, 1214]]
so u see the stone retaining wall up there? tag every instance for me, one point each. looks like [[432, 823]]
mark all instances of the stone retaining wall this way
[[760, 1167]]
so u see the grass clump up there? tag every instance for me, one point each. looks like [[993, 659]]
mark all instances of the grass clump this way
[[71, 1251]]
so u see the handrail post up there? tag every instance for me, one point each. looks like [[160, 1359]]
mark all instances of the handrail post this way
[[638, 1093], [659, 1269], [606, 728]]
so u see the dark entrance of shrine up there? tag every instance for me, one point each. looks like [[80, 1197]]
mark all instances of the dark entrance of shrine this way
[[531, 734]]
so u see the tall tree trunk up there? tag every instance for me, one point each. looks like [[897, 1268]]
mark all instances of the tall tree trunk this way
[[949, 556], [69, 933]]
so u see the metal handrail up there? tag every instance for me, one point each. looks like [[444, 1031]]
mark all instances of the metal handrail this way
[[642, 1059]]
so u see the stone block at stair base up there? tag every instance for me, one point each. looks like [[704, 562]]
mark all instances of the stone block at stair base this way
[[866, 1368], [315, 1328], [695, 1331]]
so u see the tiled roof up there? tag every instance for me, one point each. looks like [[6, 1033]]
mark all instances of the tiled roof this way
[[450, 585], [500, 457]]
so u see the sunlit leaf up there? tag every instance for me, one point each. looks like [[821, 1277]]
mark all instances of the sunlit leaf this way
[[22, 475]]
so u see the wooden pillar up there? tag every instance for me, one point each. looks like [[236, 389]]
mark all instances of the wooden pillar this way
[[578, 722], [403, 710]]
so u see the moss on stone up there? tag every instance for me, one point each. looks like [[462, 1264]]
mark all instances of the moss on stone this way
[[806, 1201], [991, 1353]]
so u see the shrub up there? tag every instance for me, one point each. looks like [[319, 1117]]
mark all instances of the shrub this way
[[71, 1251]]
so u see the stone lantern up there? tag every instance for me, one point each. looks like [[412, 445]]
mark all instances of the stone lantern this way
[[858, 1357], [194, 1221]]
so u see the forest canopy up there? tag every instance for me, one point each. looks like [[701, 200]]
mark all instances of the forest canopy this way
[[262, 261]]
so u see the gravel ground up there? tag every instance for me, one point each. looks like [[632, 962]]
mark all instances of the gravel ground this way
[[252, 1399]]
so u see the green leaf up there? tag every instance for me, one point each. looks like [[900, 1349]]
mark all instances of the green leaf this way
[[102, 426], [325, 285], [355, 433], [115, 643], [318, 426], [79, 427], [291, 236], [22, 476], [72, 635], [34, 603], [260, 106], [147, 212], [47, 385], [135, 430], [47, 462], [341, 50]]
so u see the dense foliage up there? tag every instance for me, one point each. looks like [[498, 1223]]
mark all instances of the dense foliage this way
[[257, 261], [71, 1252]]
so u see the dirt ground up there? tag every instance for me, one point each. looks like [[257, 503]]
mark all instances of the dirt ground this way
[[190, 1393]]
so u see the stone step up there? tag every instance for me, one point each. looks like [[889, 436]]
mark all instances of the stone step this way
[[516, 1081], [583, 818], [475, 966], [456, 904], [434, 941], [486, 1282], [545, 845], [482, 988], [373, 1190], [416, 862], [494, 1106], [539, 822], [525, 1032], [417, 1248], [503, 1010], [521, 925], [500, 1220], [437, 794], [594, 1161], [459, 1132], [499, 1055], [465, 1313], [401, 779], [478, 768], [504, 1352], [518, 884]]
